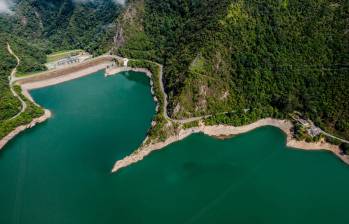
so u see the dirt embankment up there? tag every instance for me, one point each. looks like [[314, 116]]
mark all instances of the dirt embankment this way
[[68, 73]]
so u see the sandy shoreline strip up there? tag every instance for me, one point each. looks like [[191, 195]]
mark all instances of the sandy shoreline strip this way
[[116, 70], [223, 130], [47, 114]]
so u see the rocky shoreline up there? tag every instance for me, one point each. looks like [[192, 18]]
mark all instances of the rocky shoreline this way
[[116, 70], [224, 130], [47, 114]]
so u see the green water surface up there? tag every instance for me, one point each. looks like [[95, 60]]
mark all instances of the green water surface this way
[[59, 171]]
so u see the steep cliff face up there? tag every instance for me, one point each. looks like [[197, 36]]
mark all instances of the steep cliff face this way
[[130, 39], [129, 23]]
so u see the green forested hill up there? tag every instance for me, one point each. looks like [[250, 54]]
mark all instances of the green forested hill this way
[[35, 28], [272, 57], [9, 105], [39, 27], [63, 24]]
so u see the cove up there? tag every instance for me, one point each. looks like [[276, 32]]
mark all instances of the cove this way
[[59, 171]]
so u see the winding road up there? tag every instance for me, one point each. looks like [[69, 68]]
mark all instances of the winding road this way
[[181, 121], [12, 79], [192, 119], [334, 137], [165, 112]]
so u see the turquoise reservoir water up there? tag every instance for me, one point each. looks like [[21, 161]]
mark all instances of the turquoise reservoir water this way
[[59, 172]]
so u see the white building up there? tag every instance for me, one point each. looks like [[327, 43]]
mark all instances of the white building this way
[[125, 62]]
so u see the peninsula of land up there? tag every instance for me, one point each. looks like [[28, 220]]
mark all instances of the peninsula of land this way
[[224, 131], [219, 131], [107, 62]]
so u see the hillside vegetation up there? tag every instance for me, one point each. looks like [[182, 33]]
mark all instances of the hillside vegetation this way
[[49, 25], [250, 58], [270, 57], [9, 105], [36, 28], [65, 24]]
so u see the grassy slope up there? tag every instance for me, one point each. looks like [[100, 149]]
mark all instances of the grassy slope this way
[[62, 54]]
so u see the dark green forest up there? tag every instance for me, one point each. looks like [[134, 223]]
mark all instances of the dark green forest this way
[[40, 27], [271, 57], [54, 25], [8, 103]]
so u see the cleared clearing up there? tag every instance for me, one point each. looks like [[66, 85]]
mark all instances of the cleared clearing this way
[[62, 54]]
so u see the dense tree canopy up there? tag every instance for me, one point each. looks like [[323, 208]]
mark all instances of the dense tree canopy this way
[[272, 57], [267, 57], [8, 103], [63, 24]]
